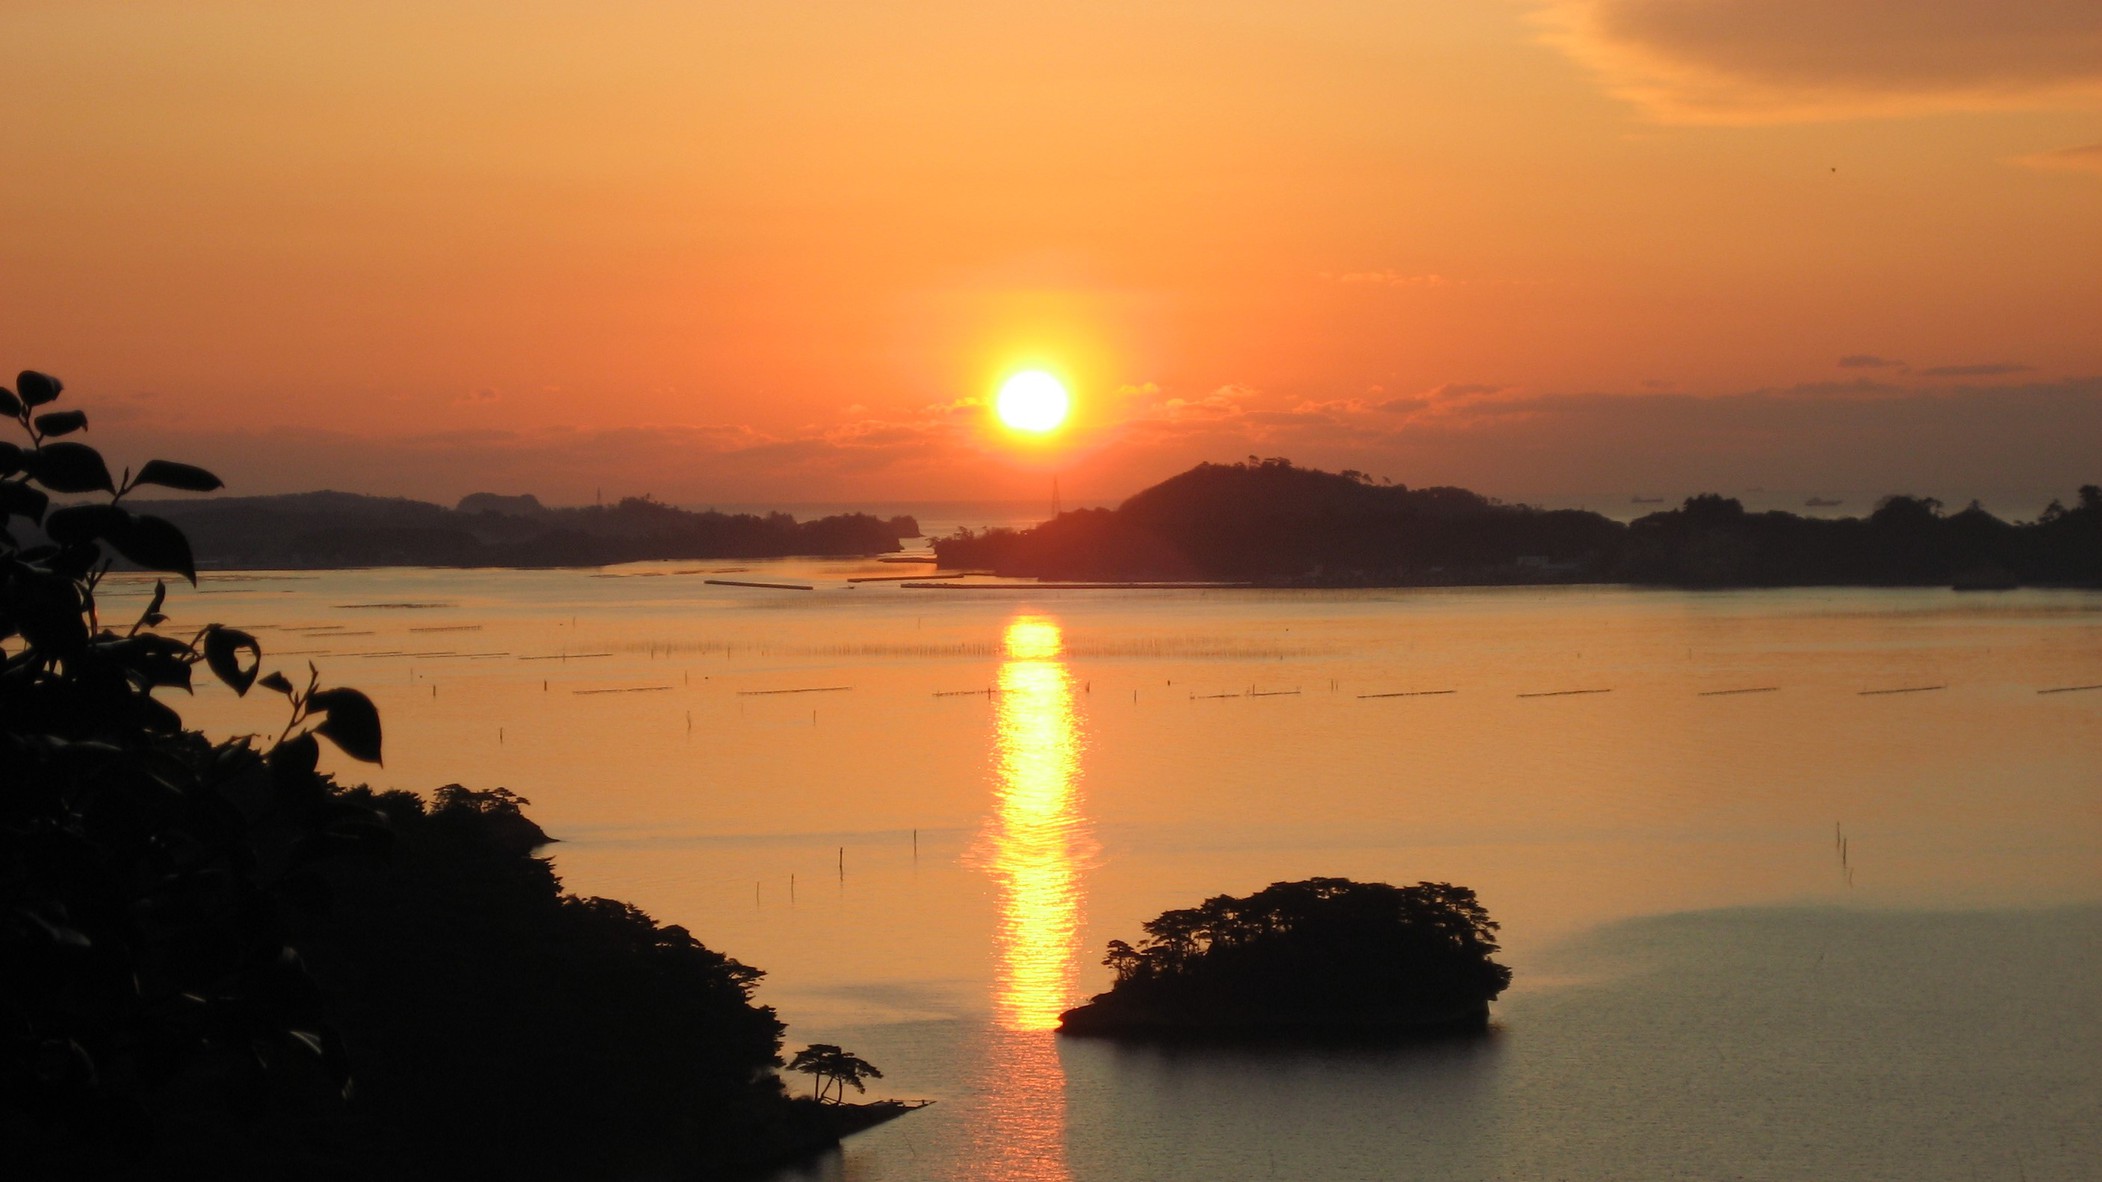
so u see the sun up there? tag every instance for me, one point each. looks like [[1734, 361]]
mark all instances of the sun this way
[[1032, 401]]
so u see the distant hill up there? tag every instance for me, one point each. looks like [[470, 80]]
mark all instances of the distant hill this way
[[336, 529], [523, 505], [1272, 522]]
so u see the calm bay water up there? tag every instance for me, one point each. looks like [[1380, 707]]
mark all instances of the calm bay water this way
[[1797, 931]]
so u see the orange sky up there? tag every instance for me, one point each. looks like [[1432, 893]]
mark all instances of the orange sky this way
[[751, 252]]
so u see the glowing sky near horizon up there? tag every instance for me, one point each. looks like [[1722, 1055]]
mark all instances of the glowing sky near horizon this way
[[747, 252]]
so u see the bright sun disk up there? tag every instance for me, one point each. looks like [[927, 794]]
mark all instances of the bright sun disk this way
[[1032, 401]]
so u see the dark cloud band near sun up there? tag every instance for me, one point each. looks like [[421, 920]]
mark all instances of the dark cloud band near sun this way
[[1781, 61]]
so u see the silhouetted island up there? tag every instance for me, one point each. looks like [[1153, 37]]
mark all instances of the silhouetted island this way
[[1322, 956], [306, 531], [1272, 523]]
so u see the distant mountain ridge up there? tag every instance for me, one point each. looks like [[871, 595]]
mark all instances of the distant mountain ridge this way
[[337, 529], [1272, 522]]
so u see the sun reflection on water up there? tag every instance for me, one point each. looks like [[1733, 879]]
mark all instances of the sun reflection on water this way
[[1035, 849], [1037, 842]]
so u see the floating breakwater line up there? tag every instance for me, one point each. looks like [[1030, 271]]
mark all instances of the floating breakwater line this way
[[764, 586]]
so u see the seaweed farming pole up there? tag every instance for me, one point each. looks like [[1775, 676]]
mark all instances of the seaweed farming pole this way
[[1910, 689]]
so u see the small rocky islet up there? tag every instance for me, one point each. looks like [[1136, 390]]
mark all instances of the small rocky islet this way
[[1321, 957]]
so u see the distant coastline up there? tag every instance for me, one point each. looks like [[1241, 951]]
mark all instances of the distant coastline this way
[[1263, 524], [1269, 523], [324, 530]]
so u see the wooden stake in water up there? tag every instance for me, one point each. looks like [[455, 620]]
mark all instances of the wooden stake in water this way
[[842, 863]]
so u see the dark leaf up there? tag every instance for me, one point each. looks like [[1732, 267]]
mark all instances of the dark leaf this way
[[296, 757], [10, 405], [292, 778], [222, 651], [169, 474], [276, 681], [71, 468], [19, 500], [47, 610], [12, 459], [148, 714], [156, 544], [74, 562], [158, 669], [38, 388], [86, 523], [160, 596], [62, 422], [352, 723]]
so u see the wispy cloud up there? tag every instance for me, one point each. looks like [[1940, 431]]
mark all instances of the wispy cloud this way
[[1869, 361], [1780, 61], [2084, 158], [1389, 279], [1991, 369]]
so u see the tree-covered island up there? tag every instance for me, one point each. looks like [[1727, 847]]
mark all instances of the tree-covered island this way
[[327, 530], [1268, 521], [1322, 956]]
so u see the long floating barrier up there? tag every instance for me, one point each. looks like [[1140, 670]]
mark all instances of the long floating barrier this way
[[2071, 689], [1564, 693], [632, 689], [1273, 694], [564, 656], [1759, 689], [1910, 689], [1210, 697], [1070, 586], [815, 689], [988, 692], [767, 586], [1409, 694]]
